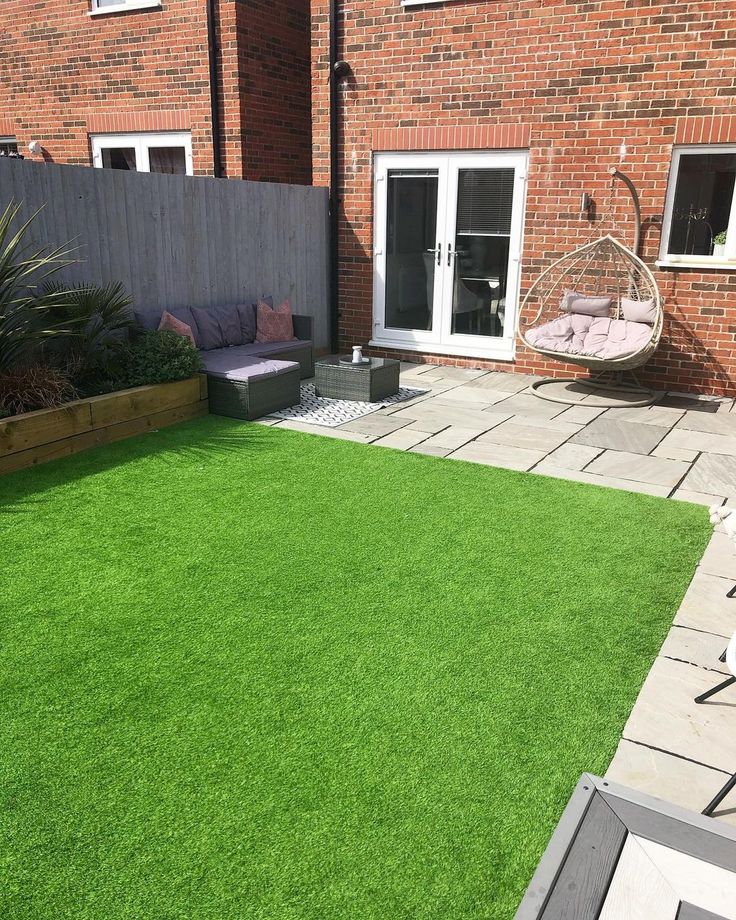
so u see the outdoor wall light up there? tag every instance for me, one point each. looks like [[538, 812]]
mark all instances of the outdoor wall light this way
[[341, 70], [35, 148]]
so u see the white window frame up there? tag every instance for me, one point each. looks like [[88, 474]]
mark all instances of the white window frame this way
[[10, 139], [141, 142], [123, 6], [679, 260]]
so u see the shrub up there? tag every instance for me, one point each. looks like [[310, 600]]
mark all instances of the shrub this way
[[97, 320], [720, 238], [31, 387], [158, 357], [24, 306]]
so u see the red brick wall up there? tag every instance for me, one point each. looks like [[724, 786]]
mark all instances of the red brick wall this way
[[65, 74], [579, 78]]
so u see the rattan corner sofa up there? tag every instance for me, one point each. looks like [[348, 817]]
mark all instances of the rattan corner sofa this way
[[250, 379]]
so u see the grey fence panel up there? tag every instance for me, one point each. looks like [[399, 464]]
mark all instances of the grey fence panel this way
[[175, 240]]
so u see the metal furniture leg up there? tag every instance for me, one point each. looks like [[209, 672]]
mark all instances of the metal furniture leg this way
[[711, 807], [709, 693]]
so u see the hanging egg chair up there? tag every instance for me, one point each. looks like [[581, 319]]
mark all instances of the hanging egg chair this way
[[598, 307]]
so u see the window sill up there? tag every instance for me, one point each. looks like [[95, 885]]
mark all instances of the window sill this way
[[715, 265], [126, 7]]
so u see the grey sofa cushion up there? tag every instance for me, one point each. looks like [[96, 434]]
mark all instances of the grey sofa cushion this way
[[247, 316], [229, 320], [210, 333], [227, 364], [265, 349], [148, 319]]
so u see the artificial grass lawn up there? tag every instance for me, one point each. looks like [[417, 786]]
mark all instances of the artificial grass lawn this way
[[251, 673]]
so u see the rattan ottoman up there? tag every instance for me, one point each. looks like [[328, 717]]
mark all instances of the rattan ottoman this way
[[335, 378]]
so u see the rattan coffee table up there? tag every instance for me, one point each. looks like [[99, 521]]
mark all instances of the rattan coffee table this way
[[336, 378]]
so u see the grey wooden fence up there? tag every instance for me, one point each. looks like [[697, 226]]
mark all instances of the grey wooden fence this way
[[175, 240]]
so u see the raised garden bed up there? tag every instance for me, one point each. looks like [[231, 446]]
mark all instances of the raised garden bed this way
[[36, 437]]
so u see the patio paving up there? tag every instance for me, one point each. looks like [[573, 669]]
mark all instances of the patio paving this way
[[684, 448]]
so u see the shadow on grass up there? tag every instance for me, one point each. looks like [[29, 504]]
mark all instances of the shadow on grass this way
[[198, 441]]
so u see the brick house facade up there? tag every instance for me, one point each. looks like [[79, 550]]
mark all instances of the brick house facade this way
[[69, 71], [566, 84]]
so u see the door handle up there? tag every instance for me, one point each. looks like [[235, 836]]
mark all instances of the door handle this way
[[449, 253], [438, 250]]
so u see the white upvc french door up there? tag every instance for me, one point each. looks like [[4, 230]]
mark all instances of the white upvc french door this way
[[447, 246]]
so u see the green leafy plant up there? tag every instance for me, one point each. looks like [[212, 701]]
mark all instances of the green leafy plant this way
[[159, 357], [25, 307], [35, 386], [96, 320], [720, 238]]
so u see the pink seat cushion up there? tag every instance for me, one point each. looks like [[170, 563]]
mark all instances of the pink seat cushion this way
[[590, 336], [274, 325], [172, 324]]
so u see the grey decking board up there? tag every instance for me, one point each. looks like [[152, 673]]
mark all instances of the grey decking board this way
[[568, 880], [586, 874], [691, 912]]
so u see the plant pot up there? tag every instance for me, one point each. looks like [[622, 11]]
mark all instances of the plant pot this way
[[719, 250]]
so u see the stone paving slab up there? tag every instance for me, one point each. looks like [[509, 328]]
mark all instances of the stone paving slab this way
[[547, 468], [430, 450], [639, 467], [376, 425], [647, 415], [674, 453], [723, 423], [697, 498], [573, 456], [506, 383], [706, 607], [673, 779], [447, 413], [666, 717], [515, 433], [712, 473], [453, 437], [629, 436], [473, 396], [719, 558], [401, 439], [511, 458], [527, 404], [581, 415], [339, 433], [694, 647]]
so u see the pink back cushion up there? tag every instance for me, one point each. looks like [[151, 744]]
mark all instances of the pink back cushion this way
[[274, 325], [176, 325]]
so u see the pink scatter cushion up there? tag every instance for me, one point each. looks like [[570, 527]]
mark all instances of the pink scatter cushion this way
[[274, 325], [170, 322]]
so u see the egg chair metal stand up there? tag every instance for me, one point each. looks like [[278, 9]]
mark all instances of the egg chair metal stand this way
[[603, 266]]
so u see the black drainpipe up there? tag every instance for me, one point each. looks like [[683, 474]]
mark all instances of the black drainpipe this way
[[214, 88], [334, 182]]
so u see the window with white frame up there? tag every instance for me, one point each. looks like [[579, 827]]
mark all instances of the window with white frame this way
[[156, 153], [9, 147], [120, 6], [700, 214]]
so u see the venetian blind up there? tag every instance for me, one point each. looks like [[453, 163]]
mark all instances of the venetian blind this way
[[484, 201]]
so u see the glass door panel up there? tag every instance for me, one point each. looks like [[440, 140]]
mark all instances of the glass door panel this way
[[411, 230], [482, 234]]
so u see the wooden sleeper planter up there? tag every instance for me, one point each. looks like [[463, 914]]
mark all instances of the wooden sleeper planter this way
[[37, 437]]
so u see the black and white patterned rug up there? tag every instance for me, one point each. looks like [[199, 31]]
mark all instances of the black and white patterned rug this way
[[317, 410]]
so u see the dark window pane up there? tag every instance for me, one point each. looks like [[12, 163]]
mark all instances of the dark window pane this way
[[412, 229], [8, 147], [171, 160], [702, 204], [119, 158]]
